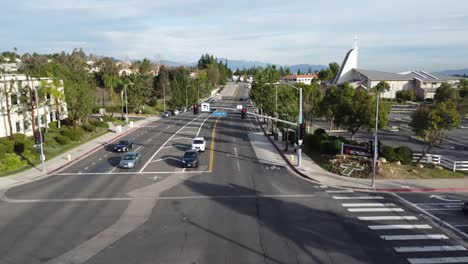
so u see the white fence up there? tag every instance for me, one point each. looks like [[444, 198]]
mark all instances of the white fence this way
[[454, 165]]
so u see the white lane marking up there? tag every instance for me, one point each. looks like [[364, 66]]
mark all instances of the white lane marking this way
[[86, 168], [367, 204], [162, 146], [183, 170], [323, 186], [414, 237], [199, 129], [106, 155], [100, 159], [443, 209], [357, 197], [355, 210], [94, 163], [429, 248], [237, 160], [149, 139], [130, 173], [438, 204], [340, 191], [438, 260], [386, 218], [386, 227], [6, 199], [172, 158], [435, 218], [177, 145]]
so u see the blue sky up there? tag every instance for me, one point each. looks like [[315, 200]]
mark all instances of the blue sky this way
[[394, 35]]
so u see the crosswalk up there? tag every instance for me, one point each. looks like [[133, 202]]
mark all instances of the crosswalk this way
[[408, 234]]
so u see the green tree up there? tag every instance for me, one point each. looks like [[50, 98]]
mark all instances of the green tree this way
[[9, 96], [430, 123], [334, 68], [52, 90], [463, 88], [446, 93]]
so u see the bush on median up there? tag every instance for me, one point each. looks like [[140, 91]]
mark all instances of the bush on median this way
[[62, 140]]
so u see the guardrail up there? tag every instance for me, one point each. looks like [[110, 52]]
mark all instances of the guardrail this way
[[454, 165]]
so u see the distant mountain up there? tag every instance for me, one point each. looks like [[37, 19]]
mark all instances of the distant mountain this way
[[242, 64], [454, 72], [305, 67]]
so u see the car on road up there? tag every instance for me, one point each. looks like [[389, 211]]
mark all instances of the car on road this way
[[123, 145], [129, 160], [190, 159], [165, 114], [465, 207], [199, 144]]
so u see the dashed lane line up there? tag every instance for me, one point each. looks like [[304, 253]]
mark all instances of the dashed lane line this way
[[415, 237], [430, 248], [362, 210], [386, 218], [357, 197], [367, 204], [438, 260], [390, 227]]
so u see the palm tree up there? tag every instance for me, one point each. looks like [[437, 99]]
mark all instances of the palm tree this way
[[56, 95]]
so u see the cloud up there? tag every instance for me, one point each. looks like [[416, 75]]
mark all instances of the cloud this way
[[273, 31]]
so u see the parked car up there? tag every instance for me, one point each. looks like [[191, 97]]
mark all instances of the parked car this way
[[199, 144], [130, 160], [165, 114], [241, 99], [176, 112], [123, 145], [190, 159]]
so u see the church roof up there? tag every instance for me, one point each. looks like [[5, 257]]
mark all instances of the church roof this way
[[383, 76]]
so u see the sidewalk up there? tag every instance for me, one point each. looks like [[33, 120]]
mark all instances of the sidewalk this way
[[61, 161], [309, 169]]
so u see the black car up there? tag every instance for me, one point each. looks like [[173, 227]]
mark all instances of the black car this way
[[190, 159], [465, 207], [123, 146]]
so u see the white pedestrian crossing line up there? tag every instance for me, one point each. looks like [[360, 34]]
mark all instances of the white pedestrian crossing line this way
[[430, 248], [386, 218], [387, 227], [357, 210], [438, 260], [357, 197], [414, 237], [367, 204], [340, 191]]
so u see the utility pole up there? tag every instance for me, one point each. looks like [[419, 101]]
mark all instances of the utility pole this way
[[126, 104], [164, 96], [40, 131]]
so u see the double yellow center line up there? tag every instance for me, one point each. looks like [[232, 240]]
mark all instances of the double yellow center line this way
[[213, 133]]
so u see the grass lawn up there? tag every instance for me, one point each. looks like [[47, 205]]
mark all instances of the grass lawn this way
[[52, 149]]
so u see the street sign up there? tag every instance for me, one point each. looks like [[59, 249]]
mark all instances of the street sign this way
[[205, 107], [356, 150], [219, 114]]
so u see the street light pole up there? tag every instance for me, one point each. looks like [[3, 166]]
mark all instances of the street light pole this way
[[126, 104], [299, 120], [164, 97], [40, 130], [375, 140]]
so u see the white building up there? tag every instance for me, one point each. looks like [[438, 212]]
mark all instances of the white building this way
[[10, 84], [300, 78], [422, 83]]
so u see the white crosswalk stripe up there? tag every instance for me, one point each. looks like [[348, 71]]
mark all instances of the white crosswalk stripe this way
[[414, 237], [386, 218], [430, 249], [367, 204], [438, 260], [357, 197], [385, 227], [375, 210], [340, 191]]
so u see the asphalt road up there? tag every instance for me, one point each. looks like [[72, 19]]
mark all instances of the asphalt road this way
[[232, 209]]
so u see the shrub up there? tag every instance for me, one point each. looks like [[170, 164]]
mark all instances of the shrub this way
[[21, 145], [404, 155], [320, 131], [74, 134], [388, 153], [62, 140], [53, 125], [6, 147], [153, 102], [67, 122], [98, 123], [89, 127], [312, 142], [12, 161], [332, 147]]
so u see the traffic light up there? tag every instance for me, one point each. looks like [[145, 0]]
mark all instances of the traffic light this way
[[379, 148], [195, 109], [37, 138], [302, 130], [243, 112]]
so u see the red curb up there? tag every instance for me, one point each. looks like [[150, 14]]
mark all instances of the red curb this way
[[94, 150], [425, 190]]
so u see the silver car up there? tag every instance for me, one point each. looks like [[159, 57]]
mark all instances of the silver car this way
[[130, 160]]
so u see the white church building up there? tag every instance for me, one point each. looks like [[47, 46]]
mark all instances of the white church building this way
[[422, 83], [21, 121]]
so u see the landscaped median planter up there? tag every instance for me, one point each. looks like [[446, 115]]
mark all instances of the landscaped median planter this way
[[350, 166]]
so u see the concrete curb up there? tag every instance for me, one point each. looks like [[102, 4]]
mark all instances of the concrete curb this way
[[68, 164]]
